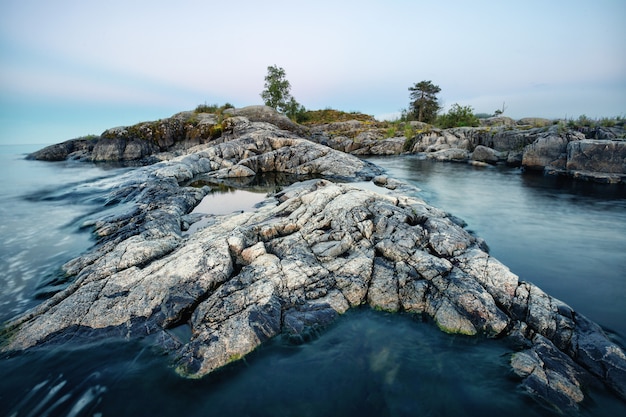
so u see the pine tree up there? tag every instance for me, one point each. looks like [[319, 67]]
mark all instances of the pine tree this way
[[424, 103]]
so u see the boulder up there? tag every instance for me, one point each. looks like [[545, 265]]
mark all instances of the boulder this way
[[607, 156], [453, 154], [269, 115], [547, 150], [485, 154], [389, 146]]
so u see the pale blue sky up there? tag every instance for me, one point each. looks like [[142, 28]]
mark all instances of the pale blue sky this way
[[71, 68]]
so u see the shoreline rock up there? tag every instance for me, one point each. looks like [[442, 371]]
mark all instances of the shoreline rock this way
[[307, 254], [534, 144]]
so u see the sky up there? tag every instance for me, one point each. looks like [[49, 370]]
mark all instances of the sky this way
[[70, 68]]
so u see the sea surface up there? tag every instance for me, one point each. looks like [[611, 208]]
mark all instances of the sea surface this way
[[567, 237]]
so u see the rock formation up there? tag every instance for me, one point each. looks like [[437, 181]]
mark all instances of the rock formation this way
[[532, 143], [305, 255]]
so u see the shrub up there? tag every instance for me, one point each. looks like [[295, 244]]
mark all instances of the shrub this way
[[329, 115], [206, 108], [458, 116]]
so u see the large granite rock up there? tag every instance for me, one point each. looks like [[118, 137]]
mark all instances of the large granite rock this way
[[307, 254], [608, 156], [61, 151], [548, 150], [269, 115], [485, 154]]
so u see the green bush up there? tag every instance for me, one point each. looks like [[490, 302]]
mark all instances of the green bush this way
[[458, 116], [212, 108]]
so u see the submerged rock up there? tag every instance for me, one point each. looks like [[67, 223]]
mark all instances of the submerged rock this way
[[305, 255]]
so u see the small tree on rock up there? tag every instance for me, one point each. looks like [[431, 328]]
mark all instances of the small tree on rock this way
[[424, 103], [277, 93]]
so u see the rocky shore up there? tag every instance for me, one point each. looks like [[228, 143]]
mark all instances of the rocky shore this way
[[597, 154], [590, 154], [307, 253]]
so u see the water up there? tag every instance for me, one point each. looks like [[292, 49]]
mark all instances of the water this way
[[568, 238], [42, 208]]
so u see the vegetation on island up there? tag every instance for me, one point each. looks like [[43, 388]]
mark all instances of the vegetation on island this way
[[424, 108], [424, 104], [277, 94]]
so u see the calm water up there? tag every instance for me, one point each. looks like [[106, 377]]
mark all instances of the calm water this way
[[568, 238]]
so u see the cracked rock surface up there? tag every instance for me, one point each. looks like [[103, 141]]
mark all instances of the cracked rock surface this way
[[305, 255]]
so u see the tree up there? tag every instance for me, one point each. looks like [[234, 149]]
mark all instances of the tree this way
[[277, 93], [424, 103], [500, 112], [458, 116]]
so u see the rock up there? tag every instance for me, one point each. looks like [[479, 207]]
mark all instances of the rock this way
[[272, 150], [437, 140], [269, 115], [62, 151], [535, 122], [550, 375], [604, 156], [389, 146], [498, 121], [484, 154], [515, 158], [454, 154], [305, 255], [321, 246], [548, 150], [512, 140], [119, 149]]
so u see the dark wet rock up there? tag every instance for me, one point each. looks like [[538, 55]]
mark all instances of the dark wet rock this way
[[121, 149], [606, 156], [548, 150], [62, 151]]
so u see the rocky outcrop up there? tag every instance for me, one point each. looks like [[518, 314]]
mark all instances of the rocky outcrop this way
[[485, 154], [358, 137], [543, 149], [534, 122], [62, 151], [608, 156], [268, 115], [305, 255], [534, 144], [140, 142], [547, 150]]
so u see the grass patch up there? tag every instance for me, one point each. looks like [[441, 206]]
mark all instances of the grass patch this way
[[325, 116], [587, 122], [212, 108]]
